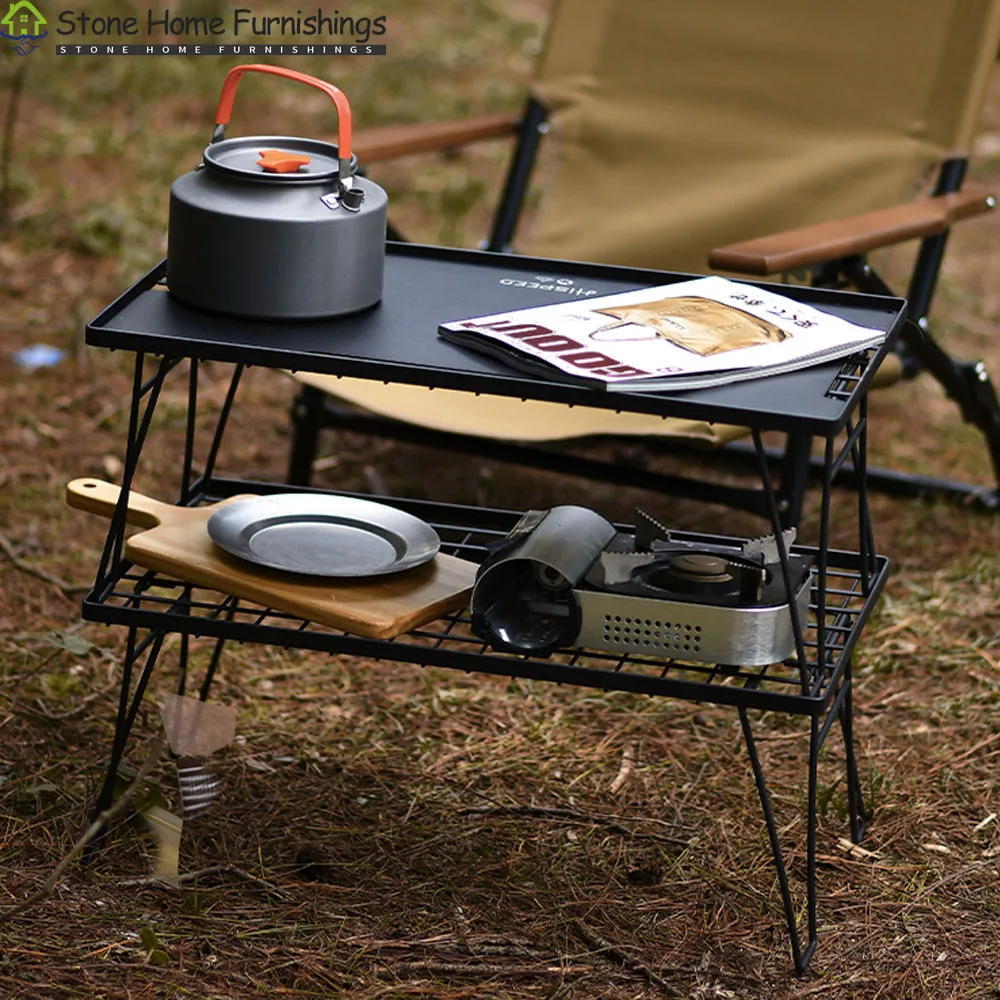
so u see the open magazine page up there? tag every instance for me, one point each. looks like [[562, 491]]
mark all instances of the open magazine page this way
[[707, 331]]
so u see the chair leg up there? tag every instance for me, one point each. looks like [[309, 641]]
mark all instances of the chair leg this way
[[794, 477], [967, 383], [307, 421]]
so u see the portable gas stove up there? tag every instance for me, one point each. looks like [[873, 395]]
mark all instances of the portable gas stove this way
[[566, 577]]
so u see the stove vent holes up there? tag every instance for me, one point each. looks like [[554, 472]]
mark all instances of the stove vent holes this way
[[647, 633]]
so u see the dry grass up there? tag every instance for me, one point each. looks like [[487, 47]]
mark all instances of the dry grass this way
[[387, 831]]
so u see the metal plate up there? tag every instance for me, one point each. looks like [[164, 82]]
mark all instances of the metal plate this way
[[323, 535]]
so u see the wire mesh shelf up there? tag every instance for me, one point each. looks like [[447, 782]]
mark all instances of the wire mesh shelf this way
[[148, 599]]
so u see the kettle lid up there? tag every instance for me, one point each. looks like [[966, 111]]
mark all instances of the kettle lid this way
[[259, 158]]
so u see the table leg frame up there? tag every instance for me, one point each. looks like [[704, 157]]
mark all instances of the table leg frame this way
[[841, 709]]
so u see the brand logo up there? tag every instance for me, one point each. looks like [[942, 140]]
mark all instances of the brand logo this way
[[23, 25], [331, 34], [544, 283]]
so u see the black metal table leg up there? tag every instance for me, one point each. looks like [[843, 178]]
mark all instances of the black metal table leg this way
[[129, 701], [231, 605], [841, 708], [857, 813], [800, 957]]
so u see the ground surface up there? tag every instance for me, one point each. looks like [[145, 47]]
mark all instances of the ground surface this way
[[391, 832]]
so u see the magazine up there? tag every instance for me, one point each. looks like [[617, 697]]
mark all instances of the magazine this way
[[688, 335]]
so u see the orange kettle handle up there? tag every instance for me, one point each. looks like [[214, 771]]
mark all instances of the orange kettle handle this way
[[225, 108]]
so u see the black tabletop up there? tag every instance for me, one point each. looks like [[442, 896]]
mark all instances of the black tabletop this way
[[397, 341]]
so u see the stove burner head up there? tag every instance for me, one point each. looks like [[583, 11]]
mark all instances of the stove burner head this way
[[700, 567], [692, 573]]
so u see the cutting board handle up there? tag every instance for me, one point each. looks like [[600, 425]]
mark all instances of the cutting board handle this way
[[99, 497]]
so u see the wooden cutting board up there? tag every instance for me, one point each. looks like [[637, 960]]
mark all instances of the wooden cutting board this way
[[176, 542]]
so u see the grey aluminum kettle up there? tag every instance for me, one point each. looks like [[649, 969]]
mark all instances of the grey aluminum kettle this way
[[277, 227]]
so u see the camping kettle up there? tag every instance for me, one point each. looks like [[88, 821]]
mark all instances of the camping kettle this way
[[275, 227]]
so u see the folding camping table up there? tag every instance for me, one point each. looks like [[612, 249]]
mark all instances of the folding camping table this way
[[397, 341]]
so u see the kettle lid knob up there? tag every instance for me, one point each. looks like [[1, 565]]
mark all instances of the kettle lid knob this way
[[278, 161]]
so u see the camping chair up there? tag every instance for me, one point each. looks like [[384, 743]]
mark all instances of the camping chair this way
[[679, 136]]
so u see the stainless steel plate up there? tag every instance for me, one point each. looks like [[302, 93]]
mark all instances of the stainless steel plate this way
[[323, 535]]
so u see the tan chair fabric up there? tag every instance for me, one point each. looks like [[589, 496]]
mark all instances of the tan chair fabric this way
[[679, 126]]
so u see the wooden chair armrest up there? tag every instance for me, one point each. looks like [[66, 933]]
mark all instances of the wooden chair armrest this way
[[387, 142], [798, 248]]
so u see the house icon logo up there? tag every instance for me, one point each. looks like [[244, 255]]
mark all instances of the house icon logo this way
[[24, 25]]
